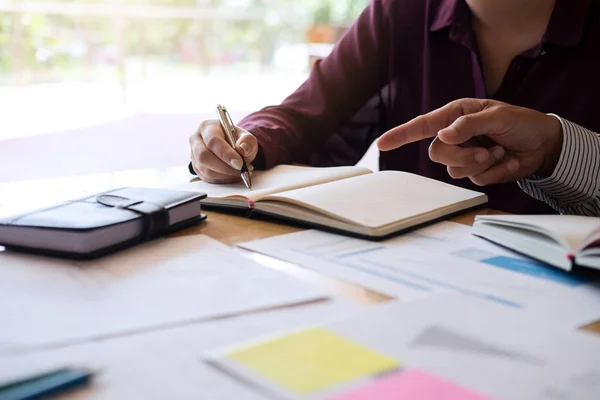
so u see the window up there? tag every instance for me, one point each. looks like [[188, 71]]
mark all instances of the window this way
[[73, 63]]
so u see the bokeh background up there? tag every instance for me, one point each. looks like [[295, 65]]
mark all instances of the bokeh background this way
[[71, 64]]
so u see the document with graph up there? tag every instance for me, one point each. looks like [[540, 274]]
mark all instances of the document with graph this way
[[438, 258]]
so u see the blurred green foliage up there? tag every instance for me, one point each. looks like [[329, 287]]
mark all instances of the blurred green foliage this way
[[48, 42]]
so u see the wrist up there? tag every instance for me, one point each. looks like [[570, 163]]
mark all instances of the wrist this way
[[554, 144]]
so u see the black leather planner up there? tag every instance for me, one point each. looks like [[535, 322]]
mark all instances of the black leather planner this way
[[102, 223]]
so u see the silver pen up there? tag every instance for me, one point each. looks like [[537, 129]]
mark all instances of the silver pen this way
[[231, 136]]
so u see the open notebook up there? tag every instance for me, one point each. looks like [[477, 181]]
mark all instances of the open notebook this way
[[351, 200], [559, 240]]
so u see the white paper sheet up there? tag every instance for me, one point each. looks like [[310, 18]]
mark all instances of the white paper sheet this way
[[439, 258], [167, 364], [490, 349], [169, 281]]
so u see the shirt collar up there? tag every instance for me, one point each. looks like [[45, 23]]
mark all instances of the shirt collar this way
[[565, 27], [445, 14]]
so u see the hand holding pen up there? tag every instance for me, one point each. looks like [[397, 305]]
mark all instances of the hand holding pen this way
[[230, 132], [214, 159]]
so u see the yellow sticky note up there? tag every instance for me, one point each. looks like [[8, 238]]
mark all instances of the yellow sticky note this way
[[311, 360]]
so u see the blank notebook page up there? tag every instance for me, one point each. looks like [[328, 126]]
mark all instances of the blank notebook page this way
[[380, 198], [280, 178]]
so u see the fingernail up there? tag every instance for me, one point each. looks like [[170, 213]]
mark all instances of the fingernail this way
[[481, 156], [246, 148], [235, 164], [449, 132], [513, 165], [250, 167], [498, 152]]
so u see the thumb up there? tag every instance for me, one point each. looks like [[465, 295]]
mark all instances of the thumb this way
[[247, 145], [489, 122]]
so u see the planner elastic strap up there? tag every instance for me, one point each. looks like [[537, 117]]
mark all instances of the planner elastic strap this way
[[155, 217]]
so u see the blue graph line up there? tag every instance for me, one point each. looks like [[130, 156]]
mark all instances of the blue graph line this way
[[446, 285], [411, 284], [370, 272], [536, 270], [388, 277], [358, 252]]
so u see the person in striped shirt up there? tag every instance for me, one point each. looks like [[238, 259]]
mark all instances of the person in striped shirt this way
[[551, 159]]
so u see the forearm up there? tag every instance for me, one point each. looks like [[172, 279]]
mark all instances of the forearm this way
[[574, 186]]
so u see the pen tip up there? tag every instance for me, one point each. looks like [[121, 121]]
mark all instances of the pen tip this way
[[246, 179]]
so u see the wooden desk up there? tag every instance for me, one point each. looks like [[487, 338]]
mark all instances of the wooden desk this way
[[226, 228]]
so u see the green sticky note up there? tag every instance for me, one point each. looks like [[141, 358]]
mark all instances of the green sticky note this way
[[311, 360]]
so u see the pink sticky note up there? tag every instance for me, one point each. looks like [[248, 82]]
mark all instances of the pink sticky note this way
[[410, 385]]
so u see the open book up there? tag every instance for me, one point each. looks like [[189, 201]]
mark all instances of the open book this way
[[351, 200], [559, 240]]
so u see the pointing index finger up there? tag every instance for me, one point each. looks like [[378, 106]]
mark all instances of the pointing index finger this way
[[428, 125]]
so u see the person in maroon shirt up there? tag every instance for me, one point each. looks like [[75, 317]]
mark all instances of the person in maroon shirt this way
[[483, 94]]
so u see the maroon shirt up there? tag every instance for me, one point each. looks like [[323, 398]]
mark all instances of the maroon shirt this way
[[403, 58]]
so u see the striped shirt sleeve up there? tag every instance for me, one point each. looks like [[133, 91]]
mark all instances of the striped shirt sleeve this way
[[574, 187]]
